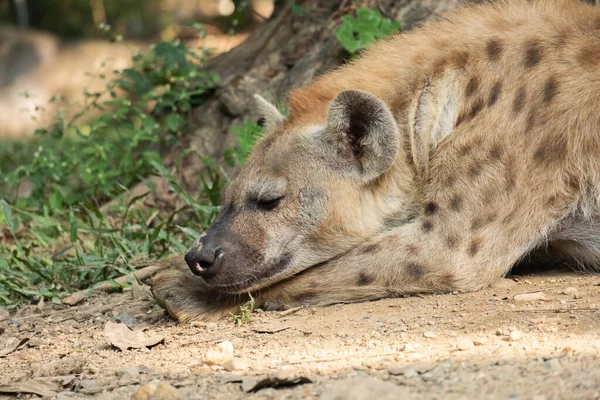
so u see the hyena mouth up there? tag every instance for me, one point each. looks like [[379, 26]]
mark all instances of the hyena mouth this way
[[257, 280]]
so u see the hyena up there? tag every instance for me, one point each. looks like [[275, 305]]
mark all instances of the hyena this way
[[434, 162]]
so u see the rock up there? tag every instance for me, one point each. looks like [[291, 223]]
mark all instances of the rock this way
[[504, 331], [395, 370], [220, 354], [88, 383], [464, 343], [200, 369], [480, 341], [412, 370], [515, 336], [430, 334], [237, 364], [534, 296], [410, 373], [156, 391], [570, 290], [210, 325], [128, 371]]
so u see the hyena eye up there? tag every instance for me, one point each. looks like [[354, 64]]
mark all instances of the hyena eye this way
[[269, 204]]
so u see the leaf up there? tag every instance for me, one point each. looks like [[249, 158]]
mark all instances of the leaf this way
[[73, 226], [12, 344], [175, 122], [119, 335], [369, 25], [189, 232], [297, 9], [8, 219]]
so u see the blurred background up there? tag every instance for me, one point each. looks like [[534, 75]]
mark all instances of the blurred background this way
[[52, 48], [94, 95]]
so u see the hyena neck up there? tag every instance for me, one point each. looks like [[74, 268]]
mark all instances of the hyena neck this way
[[395, 195]]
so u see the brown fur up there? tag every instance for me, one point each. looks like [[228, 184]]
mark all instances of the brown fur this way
[[515, 168]]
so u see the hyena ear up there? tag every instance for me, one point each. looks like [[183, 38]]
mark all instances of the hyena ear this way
[[270, 114], [364, 131], [432, 116]]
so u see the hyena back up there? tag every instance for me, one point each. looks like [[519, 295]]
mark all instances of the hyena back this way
[[433, 163]]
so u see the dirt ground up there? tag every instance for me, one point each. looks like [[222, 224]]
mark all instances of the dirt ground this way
[[484, 345]]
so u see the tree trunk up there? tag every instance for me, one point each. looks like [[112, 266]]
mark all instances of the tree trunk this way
[[288, 51]]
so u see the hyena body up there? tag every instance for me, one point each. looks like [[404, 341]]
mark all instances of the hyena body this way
[[435, 162]]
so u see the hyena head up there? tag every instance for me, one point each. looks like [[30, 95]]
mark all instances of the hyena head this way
[[307, 193]]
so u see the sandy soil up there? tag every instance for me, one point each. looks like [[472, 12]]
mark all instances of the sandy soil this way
[[476, 345]]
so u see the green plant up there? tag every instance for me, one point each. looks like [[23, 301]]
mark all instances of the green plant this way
[[297, 9], [369, 25], [247, 135], [245, 314]]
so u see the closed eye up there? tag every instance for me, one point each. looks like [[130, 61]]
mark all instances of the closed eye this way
[[269, 204]]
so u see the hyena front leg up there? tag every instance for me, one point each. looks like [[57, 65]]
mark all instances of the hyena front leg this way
[[417, 258], [187, 298]]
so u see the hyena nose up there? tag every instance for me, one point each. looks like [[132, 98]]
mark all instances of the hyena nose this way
[[205, 261]]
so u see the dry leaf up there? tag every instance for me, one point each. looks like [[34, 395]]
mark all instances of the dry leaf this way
[[36, 386], [119, 335], [13, 344]]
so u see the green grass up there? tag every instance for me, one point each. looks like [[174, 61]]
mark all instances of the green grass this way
[[55, 235]]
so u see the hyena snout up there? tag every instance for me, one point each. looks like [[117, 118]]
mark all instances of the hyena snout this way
[[205, 259]]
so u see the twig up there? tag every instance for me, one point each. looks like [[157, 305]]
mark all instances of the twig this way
[[290, 311], [110, 286], [556, 310], [341, 358]]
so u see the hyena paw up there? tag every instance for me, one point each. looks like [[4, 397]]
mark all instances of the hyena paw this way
[[187, 298]]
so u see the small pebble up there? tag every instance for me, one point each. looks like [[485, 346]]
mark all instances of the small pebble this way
[[570, 290], [200, 369], [220, 354], [464, 344], [430, 334], [237, 364], [156, 391], [480, 341], [515, 336], [410, 373]]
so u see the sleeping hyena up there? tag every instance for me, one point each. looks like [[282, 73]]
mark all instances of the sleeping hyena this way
[[433, 163]]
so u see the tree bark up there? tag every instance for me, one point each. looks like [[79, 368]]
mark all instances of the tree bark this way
[[288, 51]]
